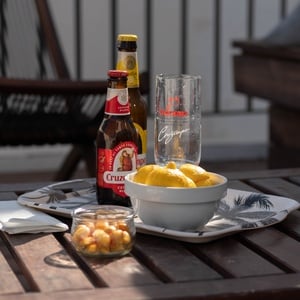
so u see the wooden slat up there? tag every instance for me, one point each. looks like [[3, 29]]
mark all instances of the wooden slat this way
[[8, 196], [171, 261], [8, 281], [117, 272], [37, 252], [277, 186], [239, 185], [276, 245], [278, 286], [125, 271], [242, 175], [234, 259], [22, 187], [295, 179], [291, 224], [31, 186]]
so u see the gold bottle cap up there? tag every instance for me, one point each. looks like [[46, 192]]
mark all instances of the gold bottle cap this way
[[127, 37]]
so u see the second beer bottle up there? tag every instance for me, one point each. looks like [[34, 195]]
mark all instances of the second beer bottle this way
[[116, 142], [128, 61]]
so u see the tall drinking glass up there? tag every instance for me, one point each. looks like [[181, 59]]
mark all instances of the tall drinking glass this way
[[177, 127]]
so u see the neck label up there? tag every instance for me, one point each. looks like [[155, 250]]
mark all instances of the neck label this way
[[117, 102], [128, 61]]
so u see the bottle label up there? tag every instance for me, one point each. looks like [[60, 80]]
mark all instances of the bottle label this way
[[128, 61], [117, 102], [114, 164], [141, 158]]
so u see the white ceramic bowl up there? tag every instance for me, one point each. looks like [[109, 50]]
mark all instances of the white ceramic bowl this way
[[175, 208]]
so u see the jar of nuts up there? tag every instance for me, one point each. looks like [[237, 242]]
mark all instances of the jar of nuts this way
[[103, 230]]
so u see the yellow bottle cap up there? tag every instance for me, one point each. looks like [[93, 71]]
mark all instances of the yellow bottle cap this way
[[127, 37]]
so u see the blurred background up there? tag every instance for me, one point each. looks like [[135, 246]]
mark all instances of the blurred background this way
[[174, 36]]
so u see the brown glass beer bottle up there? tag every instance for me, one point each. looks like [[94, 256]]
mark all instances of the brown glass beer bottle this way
[[116, 142], [128, 60]]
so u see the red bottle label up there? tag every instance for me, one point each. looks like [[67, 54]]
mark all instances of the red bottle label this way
[[117, 102], [114, 164]]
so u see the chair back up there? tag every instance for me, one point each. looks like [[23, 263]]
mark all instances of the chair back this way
[[39, 103], [29, 44]]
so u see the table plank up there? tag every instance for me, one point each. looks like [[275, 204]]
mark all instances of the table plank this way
[[239, 185], [116, 272], [277, 186], [295, 179], [276, 246], [125, 271], [22, 187], [171, 261], [291, 224], [8, 196], [275, 287], [268, 173], [8, 281], [234, 259], [37, 253]]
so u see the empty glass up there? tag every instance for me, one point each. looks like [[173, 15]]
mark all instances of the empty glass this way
[[177, 127]]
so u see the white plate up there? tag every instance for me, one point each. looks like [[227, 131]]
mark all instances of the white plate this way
[[238, 211]]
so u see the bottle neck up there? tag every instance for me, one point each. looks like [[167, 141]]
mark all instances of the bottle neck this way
[[117, 103], [127, 60]]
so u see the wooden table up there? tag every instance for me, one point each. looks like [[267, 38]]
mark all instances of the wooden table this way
[[256, 264]]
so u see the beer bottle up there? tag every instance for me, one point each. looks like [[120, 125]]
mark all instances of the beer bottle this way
[[128, 60], [116, 143]]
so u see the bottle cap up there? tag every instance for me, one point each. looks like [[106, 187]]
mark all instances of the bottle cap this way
[[127, 37], [117, 73]]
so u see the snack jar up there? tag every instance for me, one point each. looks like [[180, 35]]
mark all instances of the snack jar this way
[[103, 230]]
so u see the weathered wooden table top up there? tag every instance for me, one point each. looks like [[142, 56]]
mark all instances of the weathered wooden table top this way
[[254, 264]]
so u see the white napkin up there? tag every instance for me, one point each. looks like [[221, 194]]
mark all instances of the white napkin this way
[[16, 218]]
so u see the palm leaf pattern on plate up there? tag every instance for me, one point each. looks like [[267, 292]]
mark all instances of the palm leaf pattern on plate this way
[[242, 212], [47, 195], [69, 200]]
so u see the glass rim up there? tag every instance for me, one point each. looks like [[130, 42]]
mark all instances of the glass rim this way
[[97, 212], [178, 76]]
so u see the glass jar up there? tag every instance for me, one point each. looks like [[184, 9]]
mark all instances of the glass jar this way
[[103, 230]]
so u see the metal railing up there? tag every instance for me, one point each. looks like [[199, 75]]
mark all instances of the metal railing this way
[[149, 17]]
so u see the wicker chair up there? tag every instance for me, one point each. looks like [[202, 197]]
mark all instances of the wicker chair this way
[[39, 103]]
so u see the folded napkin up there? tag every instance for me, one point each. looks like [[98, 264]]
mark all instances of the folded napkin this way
[[16, 218]]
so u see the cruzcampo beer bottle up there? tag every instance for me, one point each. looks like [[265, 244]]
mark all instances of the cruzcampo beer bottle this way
[[128, 60], [117, 143]]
